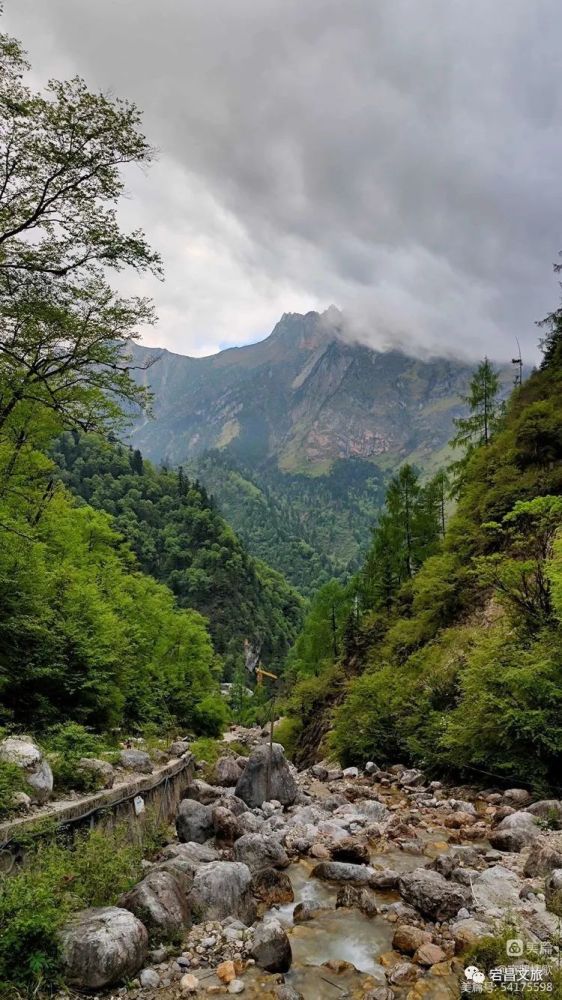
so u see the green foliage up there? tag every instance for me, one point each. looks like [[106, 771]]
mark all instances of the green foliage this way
[[484, 412], [179, 538], [320, 641], [11, 782], [38, 898]]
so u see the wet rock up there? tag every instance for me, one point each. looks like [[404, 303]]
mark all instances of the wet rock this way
[[223, 889], [381, 993], [264, 778], [227, 771], [553, 892], [226, 825], [260, 851], [404, 973], [305, 911], [360, 899], [431, 894], [102, 770], [136, 760], [543, 857], [226, 972], [35, 769], [102, 946], [271, 947], [286, 992], [236, 986], [408, 939], [429, 954], [515, 832], [194, 822], [337, 871], [384, 880], [272, 886], [160, 902]]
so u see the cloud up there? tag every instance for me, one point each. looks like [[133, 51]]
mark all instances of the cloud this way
[[398, 158]]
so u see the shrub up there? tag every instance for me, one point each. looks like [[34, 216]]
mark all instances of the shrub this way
[[287, 733], [66, 745], [11, 781]]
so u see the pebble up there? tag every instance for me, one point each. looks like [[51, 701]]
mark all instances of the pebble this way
[[236, 986], [149, 978], [189, 984]]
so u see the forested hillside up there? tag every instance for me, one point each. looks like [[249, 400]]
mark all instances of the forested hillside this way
[[311, 528], [180, 539], [447, 652]]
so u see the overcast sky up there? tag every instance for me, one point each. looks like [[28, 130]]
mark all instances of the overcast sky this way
[[400, 158]]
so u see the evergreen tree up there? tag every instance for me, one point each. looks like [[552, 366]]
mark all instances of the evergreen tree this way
[[484, 410]]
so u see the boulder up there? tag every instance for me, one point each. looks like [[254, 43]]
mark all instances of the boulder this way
[[135, 760], [159, 901], [149, 979], [103, 946], [404, 973], [231, 802], [338, 871], [517, 797], [264, 779], [515, 832], [259, 851], [178, 748], [548, 809], [250, 823], [352, 850], [35, 769], [271, 947], [187, 858], [272, 887], [223, 889], [102, 769], [202, 792], [351, 896], [384, 880], [408, 939], [431, 894], [553, 892], [227, 771], [305, 911], [543, 857], [351, 772], [226, 825], [497, 888], [194, 822], [319, 772], [429, 954], [412, 777], [468, 932]]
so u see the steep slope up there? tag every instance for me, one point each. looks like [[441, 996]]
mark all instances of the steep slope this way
[[180, 538], [303, 397]]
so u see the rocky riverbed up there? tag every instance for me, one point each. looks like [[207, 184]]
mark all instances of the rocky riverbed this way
[[325, 883]]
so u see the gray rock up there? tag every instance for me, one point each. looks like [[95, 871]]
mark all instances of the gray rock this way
[[202, 792], [194, 822], [263, 779], [231, 802], [227, 771], [29, 758], [384, 880], [306, 911], [496, 888], [351, 772], [100, 947], [286, 992], [223, 889], [371, 767], [549, 809], [431, 894], [226, 825], [102, 769], [351, 896], [136, 760], [518, 797], [412, 777], [250, 823], [271, 947], [338, 871], [178, 748], [160, 902], [515, 832], [373, 811], [319, 772], [149, 979], [543, 857], [259, 851]]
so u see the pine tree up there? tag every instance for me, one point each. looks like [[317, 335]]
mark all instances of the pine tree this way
[[476, 429]]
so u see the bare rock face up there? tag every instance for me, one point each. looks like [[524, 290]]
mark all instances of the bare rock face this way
[[35, 769], [263, 779], [159, 901], [194, 822], [431, 894], [223, 889], [102, 946], [136, 760], [227, 771], [260, 851], [271, 947]]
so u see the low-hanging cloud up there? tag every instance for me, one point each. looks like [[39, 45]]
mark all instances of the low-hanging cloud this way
[[398, 158]]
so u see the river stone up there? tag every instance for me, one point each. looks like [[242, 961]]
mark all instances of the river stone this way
[[102, 769], [404, 973], [260, 851], [384, 880], [468, 932], [319, 772], [262, 780], [159, 901], [431, 894], [226, 825], [515, 832], [272, 887], [149, 979], [271, 947], [496, 888], [194, 822], [305, 911], [223, 889], [373, 811], [352, 850], [286, 992], [544, 856], [351, 896], [29, 758], [338, 871], [227, 771], [408, 938], [135, 760], [429, 954], [102, 946]]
